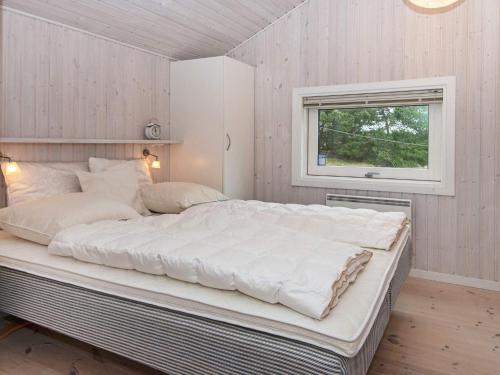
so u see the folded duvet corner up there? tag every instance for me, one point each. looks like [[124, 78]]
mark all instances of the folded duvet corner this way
[[318, 295], [354, 266]]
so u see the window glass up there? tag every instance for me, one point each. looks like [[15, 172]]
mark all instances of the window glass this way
[[390, 137]]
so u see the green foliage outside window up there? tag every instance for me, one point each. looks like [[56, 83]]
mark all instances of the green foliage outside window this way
[[396, 137]]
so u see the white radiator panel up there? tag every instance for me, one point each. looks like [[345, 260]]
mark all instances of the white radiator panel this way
[[378, 204]]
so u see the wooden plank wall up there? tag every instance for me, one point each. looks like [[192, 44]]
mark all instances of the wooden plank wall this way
[[61, 83], [326, 42]]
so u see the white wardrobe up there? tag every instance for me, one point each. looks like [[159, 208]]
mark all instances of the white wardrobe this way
[[212, 112]]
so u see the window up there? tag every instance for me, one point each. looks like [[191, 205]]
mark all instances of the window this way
[[389, 136]]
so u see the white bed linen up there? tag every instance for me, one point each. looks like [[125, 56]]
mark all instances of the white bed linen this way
[[277, 253], [343, 331]]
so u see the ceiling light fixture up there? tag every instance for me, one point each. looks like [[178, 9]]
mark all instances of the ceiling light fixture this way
[[433, 4]]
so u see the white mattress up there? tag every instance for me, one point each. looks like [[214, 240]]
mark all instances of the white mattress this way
[[343, 331]]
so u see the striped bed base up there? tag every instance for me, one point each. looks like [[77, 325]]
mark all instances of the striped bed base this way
[[176, 342]]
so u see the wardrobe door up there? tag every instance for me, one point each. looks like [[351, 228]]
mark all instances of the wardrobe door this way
[[238, 129], [197, 118]]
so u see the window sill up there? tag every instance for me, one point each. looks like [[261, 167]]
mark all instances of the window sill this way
[[376, 184]]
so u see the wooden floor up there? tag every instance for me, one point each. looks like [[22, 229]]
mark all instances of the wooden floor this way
[[441, 329], [436, 329]]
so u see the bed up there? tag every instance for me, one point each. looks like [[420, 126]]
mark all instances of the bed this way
[[184, 328]]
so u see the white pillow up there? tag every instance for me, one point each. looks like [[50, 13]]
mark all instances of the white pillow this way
[[174, 197], [38, 180], [118, 183], [142, 168], [39, 221]]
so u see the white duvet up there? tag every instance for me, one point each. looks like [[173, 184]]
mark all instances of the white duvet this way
[[303, 257]]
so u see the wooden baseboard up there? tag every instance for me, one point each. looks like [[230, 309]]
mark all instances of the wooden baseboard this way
[[456, 279]]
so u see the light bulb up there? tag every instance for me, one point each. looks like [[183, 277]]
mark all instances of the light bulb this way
[[156, 164], [433, 4], [11, 167]]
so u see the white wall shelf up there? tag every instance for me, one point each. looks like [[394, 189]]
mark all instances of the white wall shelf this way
[[89, 141]]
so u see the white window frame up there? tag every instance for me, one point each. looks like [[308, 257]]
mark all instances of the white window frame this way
[[437, 179]]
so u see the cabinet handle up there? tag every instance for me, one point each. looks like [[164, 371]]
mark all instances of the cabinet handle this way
[[228, 142]]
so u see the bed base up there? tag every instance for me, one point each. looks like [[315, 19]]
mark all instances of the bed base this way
[[177, 342]]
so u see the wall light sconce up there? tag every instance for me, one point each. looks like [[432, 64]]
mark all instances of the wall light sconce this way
[[433, 4], [11, 165], [156, 163]]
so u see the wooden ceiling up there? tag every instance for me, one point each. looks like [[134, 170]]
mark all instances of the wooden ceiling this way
[[181, 29]]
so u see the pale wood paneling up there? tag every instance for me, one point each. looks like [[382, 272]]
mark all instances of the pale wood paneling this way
[[61, 83], [325, 42], [179, 29]]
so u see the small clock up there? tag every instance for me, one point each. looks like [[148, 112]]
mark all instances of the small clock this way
[[152, 131]]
